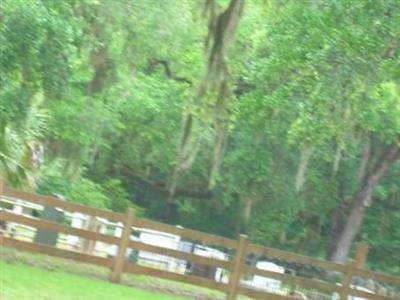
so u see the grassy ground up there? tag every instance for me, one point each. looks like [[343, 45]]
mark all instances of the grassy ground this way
[[21, 282], [10, 258]]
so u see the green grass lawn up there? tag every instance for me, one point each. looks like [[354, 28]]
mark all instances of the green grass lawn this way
[[137, 281], [21, 282]]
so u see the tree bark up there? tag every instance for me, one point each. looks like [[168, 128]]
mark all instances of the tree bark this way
[[336, 162], [247, 205], [167, 69], [301, 171], [361, 200], [100, 62], [365, 161], [338, 221], [168, 215]]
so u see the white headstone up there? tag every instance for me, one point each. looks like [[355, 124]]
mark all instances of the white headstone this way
[[265, 283], [77, 222], [113, 249]]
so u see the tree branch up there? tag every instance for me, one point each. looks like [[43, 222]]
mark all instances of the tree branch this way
[[167, 70], [388, 158], [161, 186]]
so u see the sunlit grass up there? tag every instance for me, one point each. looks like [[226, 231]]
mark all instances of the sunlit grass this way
[[56, 264], [22, 282]]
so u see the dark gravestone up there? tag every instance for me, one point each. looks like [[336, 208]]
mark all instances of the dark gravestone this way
[[3, 226], [49, 237], [203, 271], [196, 269], [188, 247]]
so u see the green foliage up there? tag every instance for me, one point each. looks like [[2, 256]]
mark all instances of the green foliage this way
[[88, 193], [103, 86], [54, 182], [19, 140], [117, 195], [109, 195]]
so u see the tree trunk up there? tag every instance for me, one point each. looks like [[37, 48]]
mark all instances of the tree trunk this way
[[338, 221], [100, 63], [247, 205], [367, 153], [303, 164], [169, 214], [336, 162], [362, 200]]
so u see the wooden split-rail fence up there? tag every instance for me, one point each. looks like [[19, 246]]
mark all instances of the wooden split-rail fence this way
[[237, 267]]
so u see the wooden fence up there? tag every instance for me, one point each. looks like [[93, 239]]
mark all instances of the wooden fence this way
[[237, 267]]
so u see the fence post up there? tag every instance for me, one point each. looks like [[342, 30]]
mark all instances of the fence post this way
[[123, 245], [352, 265], [347, 280], [361, 255], [89, 245], [234, 278]]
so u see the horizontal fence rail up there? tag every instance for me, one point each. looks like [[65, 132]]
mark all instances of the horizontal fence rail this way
[[37, 248], [56, 227], [296, 258], [55, 202], [203, 282], [378, 276], [187, 233], [181, 255], [290, 279], [239, 273]]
